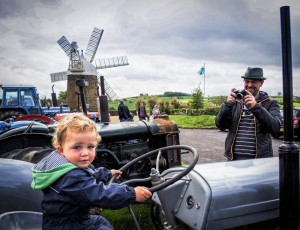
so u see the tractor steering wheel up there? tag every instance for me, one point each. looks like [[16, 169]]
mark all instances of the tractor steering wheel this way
[[156, 151]]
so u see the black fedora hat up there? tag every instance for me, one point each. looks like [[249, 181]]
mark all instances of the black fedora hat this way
[[254, 73]]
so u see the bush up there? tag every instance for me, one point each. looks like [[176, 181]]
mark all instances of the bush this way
[[193, 112]]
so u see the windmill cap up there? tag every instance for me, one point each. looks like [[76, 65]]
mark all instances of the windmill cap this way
[[254, 73]]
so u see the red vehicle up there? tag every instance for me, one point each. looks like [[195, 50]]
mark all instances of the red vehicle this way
[[92, 115]]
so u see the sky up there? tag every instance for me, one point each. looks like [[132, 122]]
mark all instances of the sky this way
[[166, 42]]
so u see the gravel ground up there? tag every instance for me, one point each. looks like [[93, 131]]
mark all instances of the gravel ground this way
[[210, 144]]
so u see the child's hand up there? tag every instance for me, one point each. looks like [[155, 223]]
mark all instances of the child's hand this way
[[142, 194], [116, 172]]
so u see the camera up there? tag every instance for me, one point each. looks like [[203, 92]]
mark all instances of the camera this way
[[240, 94]]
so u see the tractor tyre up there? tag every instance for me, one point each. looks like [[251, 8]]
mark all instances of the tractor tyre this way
[[10, 113]]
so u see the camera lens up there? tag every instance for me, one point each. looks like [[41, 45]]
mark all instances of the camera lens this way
[[240, 94]]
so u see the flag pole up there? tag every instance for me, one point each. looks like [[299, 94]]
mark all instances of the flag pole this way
[[204, 80], [202, 72]]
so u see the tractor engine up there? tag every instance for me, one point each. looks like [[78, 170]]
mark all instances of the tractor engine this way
[[125, 141]]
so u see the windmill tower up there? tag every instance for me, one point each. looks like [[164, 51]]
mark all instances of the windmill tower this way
[[81, 67]]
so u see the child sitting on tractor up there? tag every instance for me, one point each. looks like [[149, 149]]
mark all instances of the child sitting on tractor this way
[[71, 185]]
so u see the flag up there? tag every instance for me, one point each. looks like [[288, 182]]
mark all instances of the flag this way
[[201, 71]]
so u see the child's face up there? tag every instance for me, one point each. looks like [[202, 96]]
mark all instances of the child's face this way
[[79, 148]]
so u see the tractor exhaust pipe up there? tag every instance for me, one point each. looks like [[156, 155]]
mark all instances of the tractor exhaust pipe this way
[[103, 102], [53, 95], [288, 151], [81, 83]]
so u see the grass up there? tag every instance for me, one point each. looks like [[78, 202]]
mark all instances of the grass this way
[[194, 122], [296, 105], [122, 220]]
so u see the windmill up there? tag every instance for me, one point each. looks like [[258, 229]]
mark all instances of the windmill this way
[[81, 67]]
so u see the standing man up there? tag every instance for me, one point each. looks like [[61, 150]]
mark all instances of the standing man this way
[[124, 114], [250, 116]]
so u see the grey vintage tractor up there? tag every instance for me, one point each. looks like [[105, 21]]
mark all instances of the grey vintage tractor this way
[[207, 196], [246, 194], [224, 195]]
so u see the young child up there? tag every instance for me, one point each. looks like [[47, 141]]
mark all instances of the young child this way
[[71, 185]]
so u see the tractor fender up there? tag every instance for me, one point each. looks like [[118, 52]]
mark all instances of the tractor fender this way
[[16, 193], [31, 127], [25, 140], [35, 117]]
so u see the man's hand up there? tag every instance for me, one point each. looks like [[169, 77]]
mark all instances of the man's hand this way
[[232, 96], [249, 100]]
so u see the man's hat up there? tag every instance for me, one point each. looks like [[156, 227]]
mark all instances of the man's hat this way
[[254, 73]]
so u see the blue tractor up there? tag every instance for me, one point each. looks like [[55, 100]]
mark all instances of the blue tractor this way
[[20, 100]]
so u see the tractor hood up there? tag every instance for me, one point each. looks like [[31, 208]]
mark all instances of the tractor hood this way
[[136, 130], [225, 194], [248, 188]]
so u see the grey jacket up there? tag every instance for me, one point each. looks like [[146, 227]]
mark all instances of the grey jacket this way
[[267, 121]]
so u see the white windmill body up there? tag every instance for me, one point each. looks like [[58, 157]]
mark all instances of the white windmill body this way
[[81, 67]]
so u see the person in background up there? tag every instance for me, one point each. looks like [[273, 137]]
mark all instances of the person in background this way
[[142, 114], [70, 183], [250, 116], [155, 111], [124, 114]]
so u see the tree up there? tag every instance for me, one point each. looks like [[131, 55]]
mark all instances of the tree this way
[[151, 102], [62, 96], [197, 101], [138, 101], [175, 103], [45, 102], [166, 106], [217, 100]]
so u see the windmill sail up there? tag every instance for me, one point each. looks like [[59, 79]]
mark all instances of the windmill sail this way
[[111, 62], [93, 44], [60, 76], [65, 45], [110, 93]]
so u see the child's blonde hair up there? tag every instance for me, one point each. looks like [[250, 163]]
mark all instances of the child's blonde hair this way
[[76, 122]]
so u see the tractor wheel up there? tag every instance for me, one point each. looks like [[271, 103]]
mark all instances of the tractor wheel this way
[[28, 154], [10, 113]]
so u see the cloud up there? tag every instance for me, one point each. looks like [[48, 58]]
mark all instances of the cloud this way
[[166, 41]]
